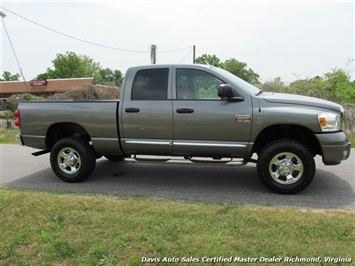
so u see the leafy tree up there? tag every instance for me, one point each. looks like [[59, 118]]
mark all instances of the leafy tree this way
[[310, 87], [232, 65], [275, 85], [7, 76], [334, 86], [111, 77], [240, 70], [206, 59], [338, 86], [71, 65], [43, 76]]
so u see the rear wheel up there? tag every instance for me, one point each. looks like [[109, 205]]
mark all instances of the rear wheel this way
[[286, 166], [72, 159]]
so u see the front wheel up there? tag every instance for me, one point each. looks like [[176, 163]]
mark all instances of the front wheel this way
[[72, 159], [286, 166]]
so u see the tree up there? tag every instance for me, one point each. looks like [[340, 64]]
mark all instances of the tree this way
[[240, 70], [7, 76], [111, 77], [334, 86], [275, 85], [339, 87], [309, 87], [71, 65], [206, 59], [232, 65]]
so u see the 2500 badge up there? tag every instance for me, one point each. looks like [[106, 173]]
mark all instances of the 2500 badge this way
[[242, 118]]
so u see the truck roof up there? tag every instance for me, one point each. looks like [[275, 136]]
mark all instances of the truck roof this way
[[172, 65]]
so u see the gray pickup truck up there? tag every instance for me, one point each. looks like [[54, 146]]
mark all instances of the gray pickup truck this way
[[194, 114]]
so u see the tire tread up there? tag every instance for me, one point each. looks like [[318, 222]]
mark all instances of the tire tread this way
[[286, 145], [86, 152]]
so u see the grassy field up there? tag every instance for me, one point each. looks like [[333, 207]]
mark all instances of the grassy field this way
[[8, 136], [40, 228]]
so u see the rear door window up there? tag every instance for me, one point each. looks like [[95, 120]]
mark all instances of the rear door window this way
[[151, 84]]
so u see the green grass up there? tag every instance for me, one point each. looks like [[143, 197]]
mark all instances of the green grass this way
[[352, 140], [40, 228], [8, 136]]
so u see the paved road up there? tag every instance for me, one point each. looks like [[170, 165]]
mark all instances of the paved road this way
[[332, 188]]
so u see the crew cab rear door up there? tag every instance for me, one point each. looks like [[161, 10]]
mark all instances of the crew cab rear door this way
[[205, 124], [146, 113]]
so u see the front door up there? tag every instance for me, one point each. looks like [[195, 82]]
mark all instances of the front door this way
[[204, 124]]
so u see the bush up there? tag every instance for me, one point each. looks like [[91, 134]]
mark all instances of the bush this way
[[12, 102], [7, 115], [88, 92]]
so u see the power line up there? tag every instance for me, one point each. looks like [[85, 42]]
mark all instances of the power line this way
[[72, 37], [176, 50], [186, 55], [13, 49], [85, 41]]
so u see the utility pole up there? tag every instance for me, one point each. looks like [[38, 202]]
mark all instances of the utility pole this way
[[194, 54], [153, 54]]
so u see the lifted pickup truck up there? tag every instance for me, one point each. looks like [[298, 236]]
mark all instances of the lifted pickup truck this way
[[202, 114]]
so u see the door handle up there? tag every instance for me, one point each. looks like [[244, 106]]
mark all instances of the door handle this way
[[184, 110], [132, 110]]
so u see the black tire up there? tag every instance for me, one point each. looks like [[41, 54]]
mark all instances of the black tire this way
[[286, 166], [72, 159], [114, 158]]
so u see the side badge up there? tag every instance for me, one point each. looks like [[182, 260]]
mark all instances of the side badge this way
[[242, 118]]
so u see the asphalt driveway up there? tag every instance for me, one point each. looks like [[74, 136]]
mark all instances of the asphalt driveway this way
[[332, 188]]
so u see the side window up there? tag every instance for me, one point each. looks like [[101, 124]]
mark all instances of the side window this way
[[192, 84], [151, 84]]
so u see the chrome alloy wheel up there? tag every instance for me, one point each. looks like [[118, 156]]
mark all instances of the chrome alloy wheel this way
[[69, 160], [286, 168]]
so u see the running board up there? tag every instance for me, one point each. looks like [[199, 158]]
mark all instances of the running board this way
[[38, 153], [189, 161]]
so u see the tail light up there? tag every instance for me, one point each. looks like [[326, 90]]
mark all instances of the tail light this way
[[17, 115]]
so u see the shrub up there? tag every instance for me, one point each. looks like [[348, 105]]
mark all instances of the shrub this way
[[88, 92], [12, 102]]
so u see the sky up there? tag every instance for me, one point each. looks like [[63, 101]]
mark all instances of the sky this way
[[288, 39]]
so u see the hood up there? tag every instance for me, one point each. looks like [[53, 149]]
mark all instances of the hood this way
[[300, 100]]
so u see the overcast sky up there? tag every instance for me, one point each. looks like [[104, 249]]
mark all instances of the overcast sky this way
[[289, 39]]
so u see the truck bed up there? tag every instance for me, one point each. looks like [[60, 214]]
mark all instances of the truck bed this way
[[98, 118]]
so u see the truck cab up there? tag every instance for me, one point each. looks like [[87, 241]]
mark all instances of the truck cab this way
[[177, 110]]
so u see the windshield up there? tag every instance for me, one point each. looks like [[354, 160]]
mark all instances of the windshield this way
[[238, 81]]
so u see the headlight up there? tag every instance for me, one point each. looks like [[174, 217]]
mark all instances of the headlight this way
[[329, 122]]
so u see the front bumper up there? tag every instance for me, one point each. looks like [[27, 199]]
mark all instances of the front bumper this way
[[335, 147]]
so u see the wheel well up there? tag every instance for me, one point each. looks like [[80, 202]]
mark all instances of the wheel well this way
[[62, 130], [298, 133]]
